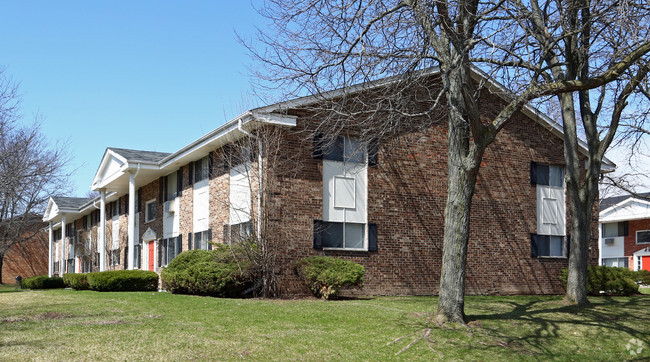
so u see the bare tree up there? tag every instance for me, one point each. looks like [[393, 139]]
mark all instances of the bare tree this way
[[599, 51], [30, 171], [315, 46], [258, 165]]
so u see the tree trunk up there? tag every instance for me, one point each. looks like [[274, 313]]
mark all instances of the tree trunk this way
[[2, 261], [451, 304], [576, 291]]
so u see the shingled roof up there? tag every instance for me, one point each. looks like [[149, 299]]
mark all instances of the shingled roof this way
[[70, 202], [611, 201], [138, 155]]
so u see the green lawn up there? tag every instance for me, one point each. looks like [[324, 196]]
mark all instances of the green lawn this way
[[68, 324]]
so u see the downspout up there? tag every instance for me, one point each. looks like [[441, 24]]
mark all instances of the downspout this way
[[259, 186]]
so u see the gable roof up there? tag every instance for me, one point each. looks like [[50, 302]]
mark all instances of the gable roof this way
[[477, 74], [138, 155], [624, 208], [70, 202], [611, 201]]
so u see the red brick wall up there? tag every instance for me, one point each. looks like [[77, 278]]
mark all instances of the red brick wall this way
[[406, 199], [630, 245], [26, 259]]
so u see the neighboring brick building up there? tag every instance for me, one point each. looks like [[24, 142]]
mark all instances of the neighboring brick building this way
[[624, 226], [28, 258], [379, 204]]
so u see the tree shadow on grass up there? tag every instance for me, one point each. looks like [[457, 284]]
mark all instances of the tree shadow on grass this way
[[550, 320]]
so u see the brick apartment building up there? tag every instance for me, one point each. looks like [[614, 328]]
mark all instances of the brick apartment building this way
[[624, 237], [378, 204]]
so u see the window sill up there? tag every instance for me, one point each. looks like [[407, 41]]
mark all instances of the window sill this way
[[552, 257], [148, 221], [344, 249]]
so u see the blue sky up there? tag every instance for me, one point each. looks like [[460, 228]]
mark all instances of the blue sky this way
[[152, 75]]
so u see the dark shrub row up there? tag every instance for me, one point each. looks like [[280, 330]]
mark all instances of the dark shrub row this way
[[221, 272], [614, 281], [123, 281], [76, 281], [326, 276], [43, 282]]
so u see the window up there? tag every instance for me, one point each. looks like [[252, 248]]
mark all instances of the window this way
[[549, 241], [114, 257], [237, 232], [115, 208], [548, 246], [168, 249], [150, 210], [615, 262], [171, 190], [343, 235], [345, 194], [643, 237], [137, 255], [201, 169], [340, 148], [202, 240], [614, 229]]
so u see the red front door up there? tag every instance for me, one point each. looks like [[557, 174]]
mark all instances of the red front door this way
[[645, 262], [151, 253]]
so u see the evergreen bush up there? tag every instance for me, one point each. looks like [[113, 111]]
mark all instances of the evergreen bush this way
[[326, 276], [123, 280], [610, 280], [76, 281], [221, 272], [43, 282]]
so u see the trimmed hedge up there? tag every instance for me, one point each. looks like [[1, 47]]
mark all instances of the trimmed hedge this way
[[326, 276], [76, 281], [123, 281], [610, 280], [43, 282], [221, 272]]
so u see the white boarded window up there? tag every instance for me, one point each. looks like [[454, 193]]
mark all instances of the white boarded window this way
[[344, 192], [240, 194], [549, 211]]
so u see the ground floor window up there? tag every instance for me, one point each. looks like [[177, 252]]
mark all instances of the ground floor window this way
[[168, 249], [345, 235], [547, 245], [237, 232], [615, 262], [70, 266], [202, 240], [114, 257]]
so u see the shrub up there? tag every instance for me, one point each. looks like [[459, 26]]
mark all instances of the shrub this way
[[123, 280], [222, 272], [43, 282], [76, 281], [616, 281], [325, 276], [643, 277]]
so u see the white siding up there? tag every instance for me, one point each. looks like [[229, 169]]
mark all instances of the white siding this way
[[345, 192], [201, 207], [240, 194]]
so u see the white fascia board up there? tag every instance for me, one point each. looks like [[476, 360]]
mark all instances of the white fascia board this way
[[229, 132], [108, 154], [274, 119], [207, 139]]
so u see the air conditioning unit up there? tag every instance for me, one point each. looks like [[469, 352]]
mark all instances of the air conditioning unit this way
[[169, 207], [609, 241]]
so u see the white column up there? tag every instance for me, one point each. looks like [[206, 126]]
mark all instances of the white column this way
[[62, 263], [50, 256], [131, 226], [102, 230], [600, 244]]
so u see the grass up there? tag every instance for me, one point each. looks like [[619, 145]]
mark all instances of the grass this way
[[68, 324]]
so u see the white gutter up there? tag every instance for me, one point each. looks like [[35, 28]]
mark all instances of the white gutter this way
[[259, 185]]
